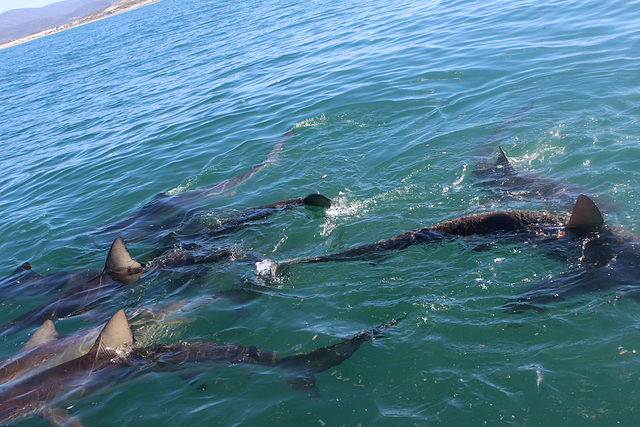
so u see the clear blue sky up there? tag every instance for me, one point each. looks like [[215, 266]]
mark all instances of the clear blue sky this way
[[19, 4]]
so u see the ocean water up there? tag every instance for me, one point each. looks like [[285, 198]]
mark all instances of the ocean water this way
[[391, 104]]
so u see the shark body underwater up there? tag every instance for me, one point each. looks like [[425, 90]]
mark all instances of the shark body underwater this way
[[115, 356], [512, 223], [167, 211]]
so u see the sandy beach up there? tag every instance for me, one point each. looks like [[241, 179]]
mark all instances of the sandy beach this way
[[115, 8]]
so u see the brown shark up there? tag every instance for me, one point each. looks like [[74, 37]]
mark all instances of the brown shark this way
[[506, 183], [198, 230], [529, 223], [114, 356], [47, 347], [606, 261]]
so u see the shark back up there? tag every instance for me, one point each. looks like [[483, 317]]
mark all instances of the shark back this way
[[45, 333]]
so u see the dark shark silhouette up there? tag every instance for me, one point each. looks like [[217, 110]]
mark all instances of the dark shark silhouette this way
[[497, 174], [166, 210], [506, 183], [510, 223], [598, 258], [114, 356], [25, 281], [200, 231], [487, 150]]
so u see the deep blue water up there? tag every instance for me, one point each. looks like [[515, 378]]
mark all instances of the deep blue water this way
[[390, 103]]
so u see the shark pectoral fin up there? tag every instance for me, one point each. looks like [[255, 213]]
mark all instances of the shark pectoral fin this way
[[585, 215], [317, 200], [45, 333], [120, 264], [61, 417], [116, 334]]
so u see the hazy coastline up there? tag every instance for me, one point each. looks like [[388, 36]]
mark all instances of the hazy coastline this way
[[113, 9]]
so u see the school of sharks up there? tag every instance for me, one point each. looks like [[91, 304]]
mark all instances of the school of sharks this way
[[51, 370]]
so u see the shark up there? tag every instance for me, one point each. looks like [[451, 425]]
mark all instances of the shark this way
[[120, 269], [114, 356], [200, 230], [47, 347], [598, 257], [494, 172], [513, 223], [507, 183], [607, 260], [166, 210], [25, 281]]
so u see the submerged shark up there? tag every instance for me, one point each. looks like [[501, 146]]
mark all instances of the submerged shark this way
[[497, 174], [606, 260], [165, 210], [25, 281], [507, 183], [114, 356], [598, 258], [47, 348], [199, 230]]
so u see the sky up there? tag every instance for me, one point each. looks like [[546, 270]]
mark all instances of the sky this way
[[19, 4]]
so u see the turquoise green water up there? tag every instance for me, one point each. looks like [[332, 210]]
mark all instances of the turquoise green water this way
[[390, 104]]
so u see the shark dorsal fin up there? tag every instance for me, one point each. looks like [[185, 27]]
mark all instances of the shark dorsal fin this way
[[585, 214], [119, 260], [45, 333], [503, 160], [116, 334]]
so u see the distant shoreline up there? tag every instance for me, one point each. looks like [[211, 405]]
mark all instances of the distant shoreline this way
[[115, 8]]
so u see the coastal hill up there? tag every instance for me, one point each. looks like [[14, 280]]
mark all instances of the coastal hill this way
[[24, 24], [18, 23]]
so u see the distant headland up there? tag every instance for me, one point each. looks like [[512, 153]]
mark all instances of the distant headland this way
[[15, 29]]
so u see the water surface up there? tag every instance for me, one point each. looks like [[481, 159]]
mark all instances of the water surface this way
[[390, 105]]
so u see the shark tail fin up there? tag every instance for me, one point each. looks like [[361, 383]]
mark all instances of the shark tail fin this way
[[45, 333], [116, 334], [585, 215], [300, 369], [317, 200]]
